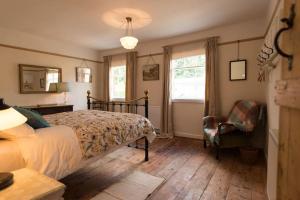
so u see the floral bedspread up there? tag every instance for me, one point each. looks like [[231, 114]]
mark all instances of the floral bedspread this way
[[99, 131]]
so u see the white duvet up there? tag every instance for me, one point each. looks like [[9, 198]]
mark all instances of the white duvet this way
[[53, 151]]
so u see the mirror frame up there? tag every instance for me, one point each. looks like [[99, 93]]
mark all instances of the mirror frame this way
[[243, 79], [21, 67]]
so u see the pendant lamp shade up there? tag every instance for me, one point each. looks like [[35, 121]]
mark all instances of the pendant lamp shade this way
[[128, 41]]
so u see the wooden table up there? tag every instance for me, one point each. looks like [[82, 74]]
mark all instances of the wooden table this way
[[29, 184]]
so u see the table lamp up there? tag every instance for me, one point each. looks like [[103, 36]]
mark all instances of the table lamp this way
[[9, 118], [63, 87]]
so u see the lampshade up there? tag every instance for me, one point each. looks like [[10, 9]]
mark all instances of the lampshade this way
[[9, 117], [63, 87], [129, 42]]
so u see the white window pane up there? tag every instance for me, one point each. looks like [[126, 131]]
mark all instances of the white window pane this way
[[188, 78], [118, 82]]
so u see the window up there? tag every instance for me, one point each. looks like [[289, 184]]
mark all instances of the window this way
[[117, 82], [188, 78]]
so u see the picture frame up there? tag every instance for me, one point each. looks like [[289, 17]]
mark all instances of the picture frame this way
[[151, 72], [238, 70], [83, 75]]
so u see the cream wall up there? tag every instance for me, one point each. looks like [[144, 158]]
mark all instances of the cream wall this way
[[26, 40], [188, 116], [9, 78], [230, 91], [10, 58]]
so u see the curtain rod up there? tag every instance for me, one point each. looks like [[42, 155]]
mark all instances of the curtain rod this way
[[48, 53], [120, 54], [219, 44], [141, 56], [191, 41], [242, 40]]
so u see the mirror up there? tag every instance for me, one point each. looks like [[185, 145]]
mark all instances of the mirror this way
[[238, 70], [37, 79], [83, 75]]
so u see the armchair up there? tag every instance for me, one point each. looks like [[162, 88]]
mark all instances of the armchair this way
[[241, 128]]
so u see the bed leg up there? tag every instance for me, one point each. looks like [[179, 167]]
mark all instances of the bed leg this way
[[146, 149]]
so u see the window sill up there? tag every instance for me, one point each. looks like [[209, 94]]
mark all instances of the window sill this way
[[200, 101], [118, 100]]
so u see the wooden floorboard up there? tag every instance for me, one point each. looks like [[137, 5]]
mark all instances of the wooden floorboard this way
[[191, 172]]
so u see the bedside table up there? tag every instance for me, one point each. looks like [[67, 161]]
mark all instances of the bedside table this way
[[29, 184]]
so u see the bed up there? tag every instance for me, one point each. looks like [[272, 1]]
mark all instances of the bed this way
[[79, 138]]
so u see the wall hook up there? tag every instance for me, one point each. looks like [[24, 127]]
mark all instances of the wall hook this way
[[290, 23]]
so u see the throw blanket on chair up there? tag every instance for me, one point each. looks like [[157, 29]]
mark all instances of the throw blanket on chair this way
[[244, 115]]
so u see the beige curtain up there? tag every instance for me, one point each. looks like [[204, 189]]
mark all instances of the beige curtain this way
[[106, 69], [131, 75], [211, 52], [167, 111]]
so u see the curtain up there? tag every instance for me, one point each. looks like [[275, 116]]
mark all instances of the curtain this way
[[106, 69], [131, 75], [211, 51], [167, 111]]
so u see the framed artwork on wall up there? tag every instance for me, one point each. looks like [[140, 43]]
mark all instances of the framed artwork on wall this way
[[238, 70], [151, 72]]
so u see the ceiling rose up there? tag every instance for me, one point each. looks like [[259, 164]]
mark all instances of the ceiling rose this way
[[117, 18]]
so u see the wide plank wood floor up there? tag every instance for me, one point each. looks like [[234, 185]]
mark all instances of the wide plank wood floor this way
[[191, 172]]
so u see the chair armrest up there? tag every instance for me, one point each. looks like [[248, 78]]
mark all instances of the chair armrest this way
[[212, 121], [229, 125]]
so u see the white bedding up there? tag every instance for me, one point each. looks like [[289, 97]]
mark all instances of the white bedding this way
[[54, 151], [10, 156]]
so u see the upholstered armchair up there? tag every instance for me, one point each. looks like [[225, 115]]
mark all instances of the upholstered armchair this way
[[244, 126]]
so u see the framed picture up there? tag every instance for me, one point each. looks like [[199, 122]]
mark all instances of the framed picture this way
[[238, 70], [83, 74], [151, 72]]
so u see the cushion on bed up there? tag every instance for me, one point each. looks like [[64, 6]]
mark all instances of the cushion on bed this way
[[34, 119], [23, 130]]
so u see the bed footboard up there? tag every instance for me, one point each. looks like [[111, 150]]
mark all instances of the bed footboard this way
[[122, 106], [130, 106]]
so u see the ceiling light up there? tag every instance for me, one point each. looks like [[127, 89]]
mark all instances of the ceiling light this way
[[128, 41]]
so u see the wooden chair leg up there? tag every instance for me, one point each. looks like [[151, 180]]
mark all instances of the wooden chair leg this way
[[204, 144]]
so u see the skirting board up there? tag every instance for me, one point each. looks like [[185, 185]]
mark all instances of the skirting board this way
[[189, 135]]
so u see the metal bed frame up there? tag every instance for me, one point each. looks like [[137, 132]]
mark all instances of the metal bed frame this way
[[124, 106]]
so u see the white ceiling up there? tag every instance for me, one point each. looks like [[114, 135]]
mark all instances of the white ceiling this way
[[94, 23]]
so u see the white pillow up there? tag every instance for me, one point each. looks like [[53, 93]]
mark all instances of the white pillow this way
[[21, 131]]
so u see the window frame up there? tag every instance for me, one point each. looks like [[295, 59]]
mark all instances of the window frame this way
[[110, 84], [175, 100]]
